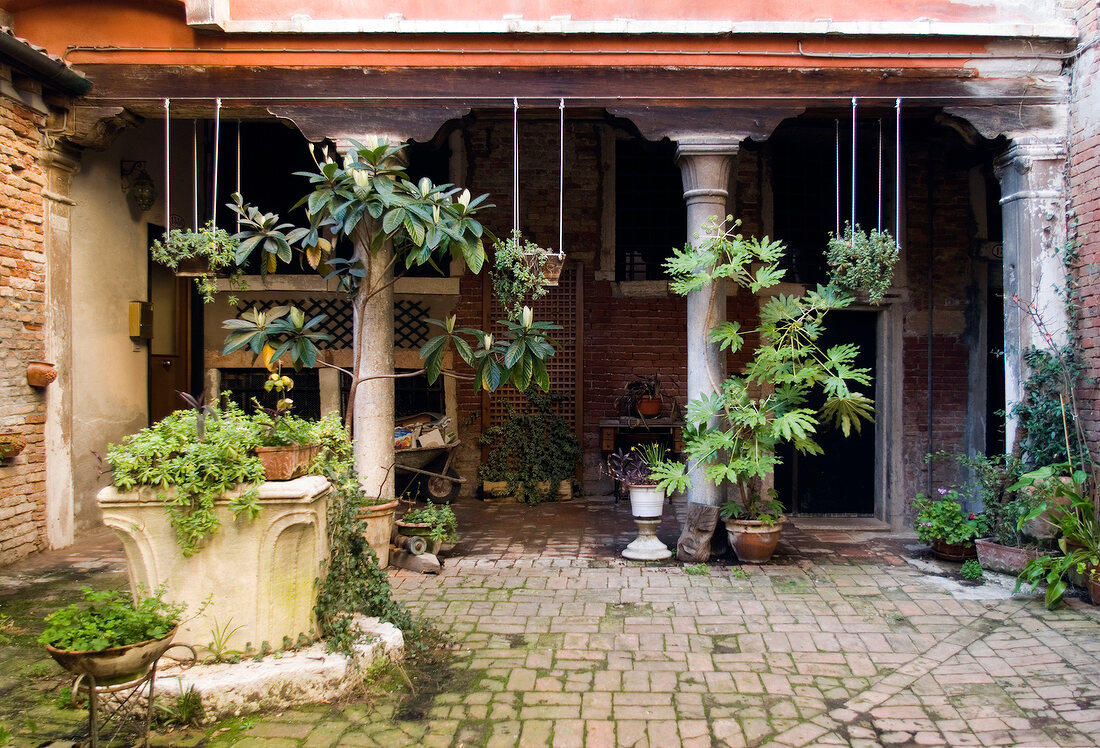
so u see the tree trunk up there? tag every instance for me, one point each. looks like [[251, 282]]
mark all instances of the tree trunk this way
[[372, 406]]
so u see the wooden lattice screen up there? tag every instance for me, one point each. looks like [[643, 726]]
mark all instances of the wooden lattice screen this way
[[562, 305], [409, 328]]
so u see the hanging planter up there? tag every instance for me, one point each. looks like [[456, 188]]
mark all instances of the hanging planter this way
[[546, 264], [40, 373]]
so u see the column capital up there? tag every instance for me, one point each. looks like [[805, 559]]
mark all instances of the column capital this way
[[705, 163], [1023, 153]]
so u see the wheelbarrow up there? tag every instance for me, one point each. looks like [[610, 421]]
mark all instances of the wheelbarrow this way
[[432, 465]]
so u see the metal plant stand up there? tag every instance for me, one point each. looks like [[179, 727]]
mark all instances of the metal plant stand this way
[[110, 704]]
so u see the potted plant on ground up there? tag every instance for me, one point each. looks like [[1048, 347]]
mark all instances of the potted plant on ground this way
[[11, 445], [1004, 548], [202, 254], [731, 435], [947, 527], [533, 454], [1079, 538], [641, 396], [436, 524], [634, 470], [114, 637]]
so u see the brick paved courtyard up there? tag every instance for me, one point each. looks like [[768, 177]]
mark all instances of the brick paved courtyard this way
[[839, 641]]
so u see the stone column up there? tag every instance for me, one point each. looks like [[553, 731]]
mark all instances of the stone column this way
[[372, 398], [1033, 204], [705, 164]]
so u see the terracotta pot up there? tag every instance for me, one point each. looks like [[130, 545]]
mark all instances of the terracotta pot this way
[[1043, 527], [378, 529], [117, 664], [953, 551], [1093, 583], [551, 269], [11, 445], [40, 373], [285, 463], [648, 406], [646, 501], [753, 541], [1008, 559]]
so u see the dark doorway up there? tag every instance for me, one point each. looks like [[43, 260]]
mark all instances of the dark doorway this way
[[840, 482]]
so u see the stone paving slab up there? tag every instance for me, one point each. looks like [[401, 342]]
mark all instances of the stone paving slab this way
[[839, 641]]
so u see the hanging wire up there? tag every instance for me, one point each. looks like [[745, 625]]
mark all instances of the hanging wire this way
[[217, 143], [238, 190], [879, 227], [838, 177], [515, 165], [854, 106], [167, 166], [561, 177], [195, 173], [897, 174]]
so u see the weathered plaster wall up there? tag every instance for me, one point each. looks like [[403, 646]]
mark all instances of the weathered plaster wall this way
[[23, 322], [109, 269]]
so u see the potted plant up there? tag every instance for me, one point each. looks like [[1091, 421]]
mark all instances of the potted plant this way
[[1004, 548], [732, 434], [532, 454], [947, 527], [522, 272], [202, 254], [115, 637], [859, 261], [635, 470], [437, 524], [11, 445], [1079, 539], [641, 396]]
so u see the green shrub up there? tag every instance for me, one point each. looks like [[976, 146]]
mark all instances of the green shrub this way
[[110, 619]]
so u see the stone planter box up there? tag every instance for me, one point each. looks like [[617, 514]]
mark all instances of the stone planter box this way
[[258, 574]]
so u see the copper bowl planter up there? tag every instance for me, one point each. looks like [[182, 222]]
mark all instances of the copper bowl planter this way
[[953, 551]]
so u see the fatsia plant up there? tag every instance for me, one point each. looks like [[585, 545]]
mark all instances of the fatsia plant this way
[[365, 198], [732, 434]]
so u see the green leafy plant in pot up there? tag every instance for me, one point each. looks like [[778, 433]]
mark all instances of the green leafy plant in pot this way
[[946, 526], [1079, 535], [113, 637], [731, 435], [202, 254]]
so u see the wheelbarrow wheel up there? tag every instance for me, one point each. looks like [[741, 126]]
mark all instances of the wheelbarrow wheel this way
[[443, 490]]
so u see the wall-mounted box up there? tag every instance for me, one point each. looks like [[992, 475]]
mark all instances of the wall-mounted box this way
[[141, 320]]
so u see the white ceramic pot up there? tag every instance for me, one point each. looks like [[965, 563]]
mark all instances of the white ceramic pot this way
[[646, 501]]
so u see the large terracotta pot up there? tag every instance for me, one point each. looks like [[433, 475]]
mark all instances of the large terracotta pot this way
[[114, 664], [646, 501], [378, 529], [1093, 584], [1008, 559], [953, 551], [753, 541], [287, 463]]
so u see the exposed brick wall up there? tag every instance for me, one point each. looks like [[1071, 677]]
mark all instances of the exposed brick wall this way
[[950, 271], [22, 311], [1084, 178]]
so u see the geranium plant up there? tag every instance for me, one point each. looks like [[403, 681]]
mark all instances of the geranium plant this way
[[945, 520]]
